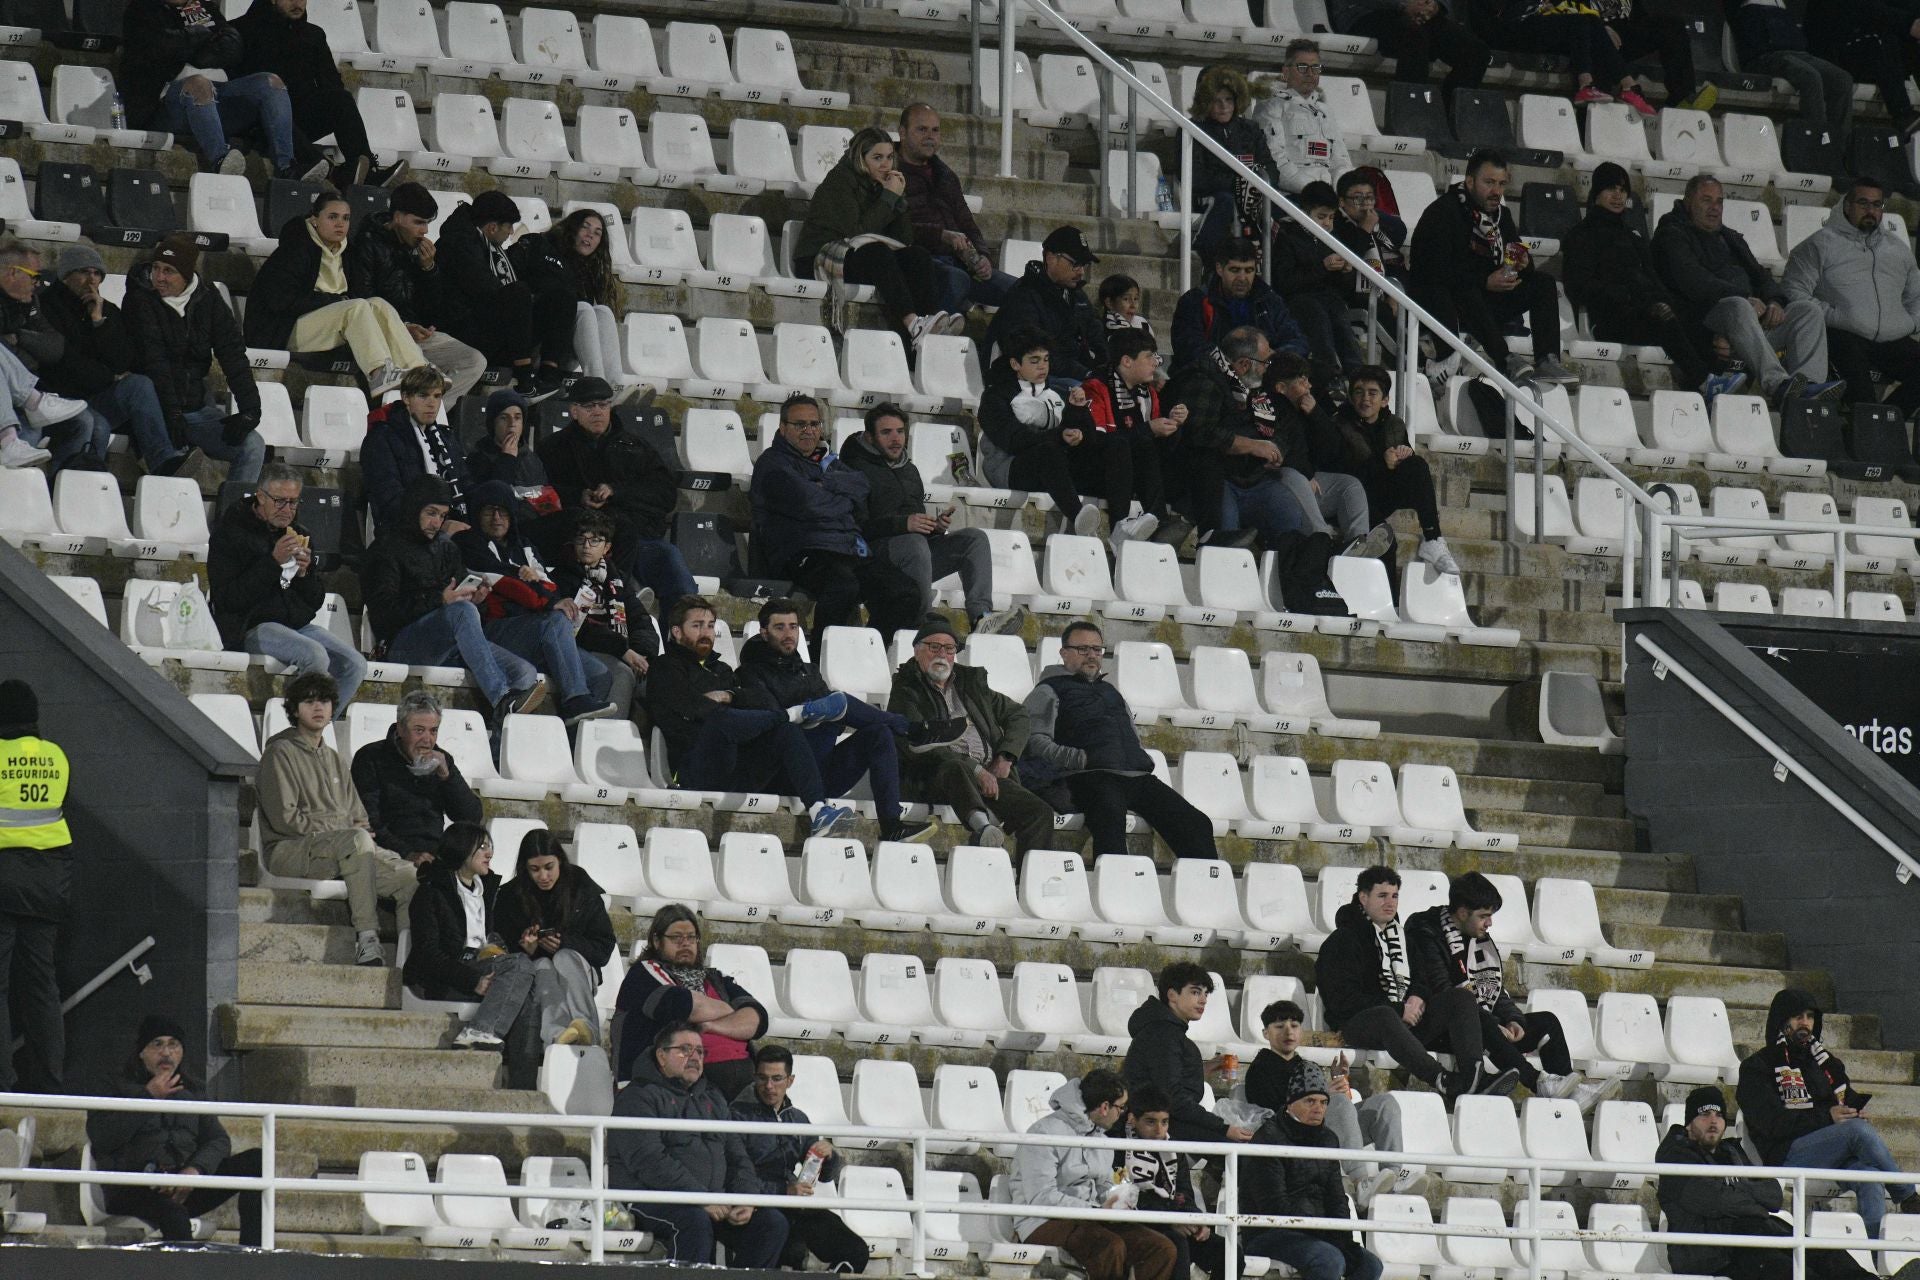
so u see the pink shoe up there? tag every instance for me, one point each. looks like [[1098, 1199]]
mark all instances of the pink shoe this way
[[1633, 99], [1589, 96]]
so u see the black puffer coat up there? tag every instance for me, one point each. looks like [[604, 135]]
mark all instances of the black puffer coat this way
[[177, 350]]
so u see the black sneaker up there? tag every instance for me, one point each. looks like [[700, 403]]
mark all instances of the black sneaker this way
[[1453, 1085], [574, 710], [1234, 539], [905, 831], [390, 175], [1173, 531], [1496, 1086], [935, 733]]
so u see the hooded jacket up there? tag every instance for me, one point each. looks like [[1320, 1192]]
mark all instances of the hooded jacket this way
[[1242, 136], [1016, 416], [895, 490], [158, 41], [405, 571], [510, 595], [584, 927], [1609, 265], [787, 678], [409, 812], [1713, 1206], [303, 789], [1786, 1091], [801, 504], [1866, 283], [469, 285], [95, 354], [1449, 259], [777, 1157], [297, 52], [1079, 725], [681, 1159], [164, 1141], [177, 349], [286, 287], [1000, 721], [379, 266], [522, 470], [649, 998], [1438, 960], [937, 205], [1295, 1186], [1203, 316], [1066, 315], [645, 489], [1164, 1056], [246, 582], [849, 203], [1066, 1177], [677, 686], [1347, 970], [1702, 267], [1305, 143], [391, 462], [436, 966]]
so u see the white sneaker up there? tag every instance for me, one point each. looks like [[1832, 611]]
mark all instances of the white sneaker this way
[[367, 949], [234, 163], [18, 453], [1087, 523], [1002, 622], [956, 323], [1434, 551], [1553, 1086], [48, 409], [925, 326], [474, 1037], [1134, 527], [1593, 1093]]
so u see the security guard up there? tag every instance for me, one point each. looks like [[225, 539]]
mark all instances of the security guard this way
[[36, 883]]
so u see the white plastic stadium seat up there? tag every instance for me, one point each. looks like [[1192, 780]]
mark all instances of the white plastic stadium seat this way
[[1566, 914]]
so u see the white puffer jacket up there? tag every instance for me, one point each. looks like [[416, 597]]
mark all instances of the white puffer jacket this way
[[1307, 146]]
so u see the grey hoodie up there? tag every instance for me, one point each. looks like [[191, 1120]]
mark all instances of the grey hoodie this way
[[1866, 283], [1070, 1177]]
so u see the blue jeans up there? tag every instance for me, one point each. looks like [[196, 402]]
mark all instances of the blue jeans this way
[[453, 631], [20, 384], [238, 106], [1852, 1144], [546, 640], [869, 750], [243, 460], [132, 406], [1266, 505], [310, 649], [779, 756], [87, 433], [960, 289], [1313, 1257], [658, 564]]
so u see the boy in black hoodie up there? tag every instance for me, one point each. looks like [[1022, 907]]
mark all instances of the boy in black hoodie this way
[[1802, 1112], [1317, 283], [614, 625]]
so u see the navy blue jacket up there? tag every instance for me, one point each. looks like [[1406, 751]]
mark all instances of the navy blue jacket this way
[[1079, 725], [800, 505], [390, 460], [1203, 316]]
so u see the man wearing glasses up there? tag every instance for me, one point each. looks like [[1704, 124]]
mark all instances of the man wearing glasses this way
[[266, 597], [779, 1160], [973, 773], [1083, 745], [1379, 238], [1306, 143], [31, 338], [1863, 276], [670, 1084]]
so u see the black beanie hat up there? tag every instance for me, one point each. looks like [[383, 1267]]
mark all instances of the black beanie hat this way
[[155, 1025], [1706, 1098], [1605, 178]]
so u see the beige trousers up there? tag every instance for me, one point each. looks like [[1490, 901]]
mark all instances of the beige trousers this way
[[371, 873], [370, 326]]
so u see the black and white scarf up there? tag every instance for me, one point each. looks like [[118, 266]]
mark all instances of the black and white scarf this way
[[440, 453], [691, 976], [1478, 959], [1395, 973], [1795, 1093]]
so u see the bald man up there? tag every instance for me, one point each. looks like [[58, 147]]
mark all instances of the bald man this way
[[942, 222]]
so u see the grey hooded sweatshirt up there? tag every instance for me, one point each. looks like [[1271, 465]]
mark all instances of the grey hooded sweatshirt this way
[[1867, 283], [1070, 1177]]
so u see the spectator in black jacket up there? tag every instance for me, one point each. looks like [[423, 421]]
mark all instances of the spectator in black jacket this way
[[277, 38], [723, 735], [1379, 238], [1721, 287], [1305, 1187], [1610, 274], [1771, 40], [1235, 296], [168, 1141], [806, 515], [670, 983], [488, 305], [563, 906], [897, 526], [779, 1160], [1165, 1182], [1370, 442], [1123, 403], [1452, 947], [410, 788], [389, 256], [1873, 40], [1051, 297], [1372, 996], [1317, 283], [1275, 1070], [1729, 1206], [1414, 33], [1161, 1056], [597, 462], [1234, 444], [1333, 502], [425, 611], [162, 38], [506, 453], [572, 260], [1222, 106], [30, 337], [614, 627], [406, 440], [1476, 274], [771, 663], [264, 592], [181, 325], [943, 222]]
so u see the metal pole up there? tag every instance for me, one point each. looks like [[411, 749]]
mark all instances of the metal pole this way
[[269, 1142], [973, 58], [1133, 150], [1839, 572], [1106, 155], [1539, 476], [1533, 1222], [597, 1153], [1006, 87], [1186, 212], [1409, 361], [1230, 1205], [1800, 1227], [1673, 575], [920, 1207], [1511, 462], [1626, 555]]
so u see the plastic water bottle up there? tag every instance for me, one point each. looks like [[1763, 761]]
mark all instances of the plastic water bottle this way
[[1164, 195], [816, 1160], [119, 112]]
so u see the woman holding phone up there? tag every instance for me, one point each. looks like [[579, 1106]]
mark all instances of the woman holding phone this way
[[558, 917]]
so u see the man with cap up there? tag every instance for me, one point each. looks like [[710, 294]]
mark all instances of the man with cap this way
[[1050, 297], [169, 1142], [389, 256], [973, 773], [36, 884], [1725, 1206], [1303, 1186], [600, 462], [181, 325], [1802, 1111], [1236, 296], [489, 307]]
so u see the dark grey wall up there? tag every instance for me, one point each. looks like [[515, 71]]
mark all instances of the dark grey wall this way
[[153, 805], [1704, 789]]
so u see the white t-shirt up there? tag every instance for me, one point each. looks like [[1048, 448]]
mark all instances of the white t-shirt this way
[[474, 901]]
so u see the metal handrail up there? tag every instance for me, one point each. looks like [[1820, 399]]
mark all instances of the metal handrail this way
[[1224, 1216]]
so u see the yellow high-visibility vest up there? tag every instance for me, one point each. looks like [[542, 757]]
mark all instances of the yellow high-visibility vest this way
[[33, 787]]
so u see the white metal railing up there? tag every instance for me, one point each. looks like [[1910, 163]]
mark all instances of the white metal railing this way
[[1413, 318], [1224, 1216], [128, 961]]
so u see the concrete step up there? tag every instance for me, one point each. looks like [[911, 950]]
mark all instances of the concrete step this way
[[286, 942], [274, 1073], [1851, 1032], [260, 1026], [404, 1097], [1680, 910], [1749, 988], [1703, 946], [1557, 829], [335, 986]]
